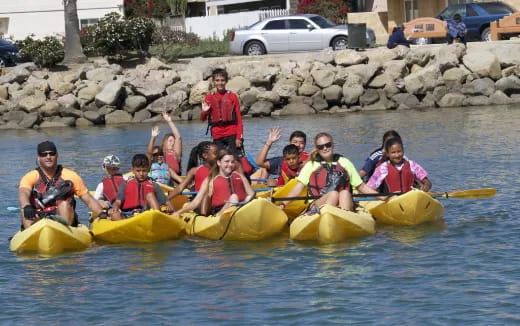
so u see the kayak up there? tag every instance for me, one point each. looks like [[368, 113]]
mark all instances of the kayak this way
[[412, 208], [294, 207], [332, 224], [256, 220], [48, 236], [148, 226]]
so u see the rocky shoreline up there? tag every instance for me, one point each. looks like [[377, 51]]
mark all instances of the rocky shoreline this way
[[324, 82]]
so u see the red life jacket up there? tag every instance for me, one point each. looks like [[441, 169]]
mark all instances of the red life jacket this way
[[286, 173], [201, 174], [43, 184], [224, 187], [222, 112], [171, 160], [135, 194], [328, 178], [304, 157], [111, 186], [399, 181]]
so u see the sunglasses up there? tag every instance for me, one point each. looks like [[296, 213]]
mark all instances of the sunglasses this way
[[47, 154], [323, 146]]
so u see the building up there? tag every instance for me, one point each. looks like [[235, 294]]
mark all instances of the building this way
[[19, 19]]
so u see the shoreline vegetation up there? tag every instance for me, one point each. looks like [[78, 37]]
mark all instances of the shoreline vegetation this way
[[104, 93]]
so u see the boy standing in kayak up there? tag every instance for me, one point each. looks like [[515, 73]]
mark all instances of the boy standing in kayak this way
[[222, 110]]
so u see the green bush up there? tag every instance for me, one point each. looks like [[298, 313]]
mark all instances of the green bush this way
[[44, 53], [165, 40]]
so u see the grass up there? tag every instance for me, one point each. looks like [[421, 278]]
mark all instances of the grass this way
[[205, 48]]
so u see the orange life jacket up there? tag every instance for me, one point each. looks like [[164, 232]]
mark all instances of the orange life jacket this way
[[224, 187], [111, 186]]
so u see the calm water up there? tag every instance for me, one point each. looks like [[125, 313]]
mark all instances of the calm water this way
[[465, 271]]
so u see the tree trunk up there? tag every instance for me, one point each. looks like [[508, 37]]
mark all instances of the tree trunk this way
[[73, 49]]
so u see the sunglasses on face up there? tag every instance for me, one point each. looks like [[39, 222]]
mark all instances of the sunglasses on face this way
[[323, 146], [47, 154]]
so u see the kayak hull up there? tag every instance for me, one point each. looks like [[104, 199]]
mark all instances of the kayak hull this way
[[149, 226], [256, 220], [413, 208], [51, 237], [294, 207], [332, 224]]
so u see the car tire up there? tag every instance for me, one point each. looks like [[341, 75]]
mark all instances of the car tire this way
[[422, 41], [254, 48], [339, 43], [486, 35]]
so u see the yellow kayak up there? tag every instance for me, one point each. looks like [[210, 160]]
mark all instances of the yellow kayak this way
[[294, 207], [47, 236], [332, 224], [256, 220], [414, 207], [149, 226]]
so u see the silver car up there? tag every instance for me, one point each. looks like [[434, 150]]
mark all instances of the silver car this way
[[292, 33]]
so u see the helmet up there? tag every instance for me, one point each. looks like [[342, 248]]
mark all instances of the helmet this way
[[111, 160]]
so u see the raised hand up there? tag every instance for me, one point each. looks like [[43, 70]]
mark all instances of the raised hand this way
[[274, 135], [205, 106], [166, 116], [155, 131]]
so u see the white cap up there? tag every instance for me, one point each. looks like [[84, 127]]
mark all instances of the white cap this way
[[111, 160]]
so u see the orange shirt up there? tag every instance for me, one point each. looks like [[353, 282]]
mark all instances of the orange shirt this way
[[29, 180]]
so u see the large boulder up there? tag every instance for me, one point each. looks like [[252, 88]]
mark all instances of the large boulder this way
[[352, 89], [364, 71], [296, 109], [286, 86], [349, 57], [452, 100], [18, 74], [261, 108], [481, 86], [455, 77], [382, 104], [50, 108], [134, 103], [370, 96], [141, 116], [419, 56], [29, 120], [324, 76], [169, 103], [248, 97], [499, 98], [395, 68], [199, 91], [423, 80], [333, 93], [449, 55], [319, 103], [238, 84], [269, 96], [508, 84], [483, 63], [100, 75], [308, 89], [87, 94], [4, 92], [32, 103], [68, 101], [406, 101], [110, 93], [82, 122], [93, 116], [118, 117], [476, 100], [14, 116], [382, 55]]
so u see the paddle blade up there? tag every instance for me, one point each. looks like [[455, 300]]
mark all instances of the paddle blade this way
[[467, 194]]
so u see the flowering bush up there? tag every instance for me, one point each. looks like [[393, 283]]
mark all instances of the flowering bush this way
[[165, 39], [115, 35], [335, 10], [44, 53], [154, 8]]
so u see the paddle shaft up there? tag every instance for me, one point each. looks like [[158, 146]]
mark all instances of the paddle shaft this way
[[317, 197], [193, 193]]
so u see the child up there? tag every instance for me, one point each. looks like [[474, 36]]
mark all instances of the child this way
[[106, 191], [171, 147], [398, 174], [222, 109], [291, 165], [136, 194], [376, 157], [456, 30], [224, 186], [159, 170]]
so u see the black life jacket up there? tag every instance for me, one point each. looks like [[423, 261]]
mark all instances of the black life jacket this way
[[327, 178]]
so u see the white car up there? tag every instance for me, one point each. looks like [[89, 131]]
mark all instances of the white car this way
[[292, 33]]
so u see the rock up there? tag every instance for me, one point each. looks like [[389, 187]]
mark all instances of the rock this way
[[415, 68], [419, 56], [287, 67], [141, 116], [452, 100], [100, 75], [428, 101], [352, 89], [261, 108], [455, 77], [64, 88], [49, 109], [82, 122], [53, 124], [508, 84], [510, 71], [199, 91], [483, 86], [484, 63], [269, 96], [439, 92], [238, 84], [395, 68], [4, 92], [333, 93], [382, 55], [156, 64], [364, 71], [507, 54], [302, 72], [325, 56], [349, 57], [323, 77], [515, 98], [406, 101], [93, 116], [423, 80], [383, 104], [307, 89], [319, 103], [40, 84], [248, 97], [191, 76], [18, 74], [10, 125], [29, 120], [169, 102], [88, 94], [370, 96], [32, 103], [66, 121], [158, 118], [71, 112], [178, 86], [118, 117], [134, 103], [296, 109], [391, 89], [68, 101], [449, 55], [476, 100], [106, 110], [380, 81], [110, 93], [286, 87], [499, 98], [260, 73]]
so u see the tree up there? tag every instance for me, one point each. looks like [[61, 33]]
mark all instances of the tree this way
[[73, 49], [335, 10]]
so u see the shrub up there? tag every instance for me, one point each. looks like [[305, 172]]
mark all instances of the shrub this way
[[165, 39], [44, 53], [335, 10]]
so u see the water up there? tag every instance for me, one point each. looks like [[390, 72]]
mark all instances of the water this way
[[465, 271]]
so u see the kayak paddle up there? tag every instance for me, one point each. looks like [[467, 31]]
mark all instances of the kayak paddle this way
[[466, 194]]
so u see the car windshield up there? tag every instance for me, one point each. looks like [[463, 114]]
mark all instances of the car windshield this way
[[322, 22]]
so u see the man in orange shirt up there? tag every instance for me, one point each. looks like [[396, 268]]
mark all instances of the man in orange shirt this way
[[49, 190]]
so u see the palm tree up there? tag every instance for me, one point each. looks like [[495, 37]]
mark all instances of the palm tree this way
[[73, 49]]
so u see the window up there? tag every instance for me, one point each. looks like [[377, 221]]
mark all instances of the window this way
[[298, 24], [470, 12], [411, 10], [449, 12], [83, 23], [322, 22], [496, 8], [275, 24]]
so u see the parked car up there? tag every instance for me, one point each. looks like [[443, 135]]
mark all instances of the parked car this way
[[8, 53], [292, 33], [477, 17]]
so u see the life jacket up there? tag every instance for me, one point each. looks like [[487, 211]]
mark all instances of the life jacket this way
[[286, 173], [304, 157], [222, 112], [43, 184], [201, 174], [135, 197], [224, 187], [399, 181], [111, 186], [173, 163], [248, 162], [327, 178], [160, 173]]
